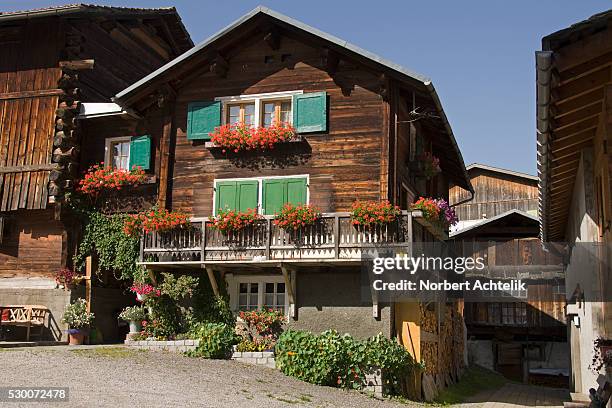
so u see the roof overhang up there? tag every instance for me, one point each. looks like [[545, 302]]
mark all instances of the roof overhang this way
[[403, 75], [474, 228], [572, 72]]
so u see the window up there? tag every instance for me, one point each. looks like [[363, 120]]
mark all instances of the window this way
[[494, 315], [259, 109], [508, 313], [267, 195], [241, 113], [118, 153], [276, 112], [248, 292]]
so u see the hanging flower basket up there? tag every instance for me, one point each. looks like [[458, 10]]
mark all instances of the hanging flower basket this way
[[158, 220], [429, 165], [100, 178], [367, 213], [232, 221], [436, 211], [241, 137], [292, 218]]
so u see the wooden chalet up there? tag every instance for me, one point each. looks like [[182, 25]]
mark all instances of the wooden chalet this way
[[520, 334], [574, 133], [53, 60], [362, 121]]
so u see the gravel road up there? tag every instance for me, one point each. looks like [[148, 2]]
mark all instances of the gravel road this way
[[120, 377]]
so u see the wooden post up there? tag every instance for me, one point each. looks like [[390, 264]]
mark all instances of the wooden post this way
[[289, 286], [269, 239], [164, 153], [213, 281], [337, 236], [88, 275], [203, 238]]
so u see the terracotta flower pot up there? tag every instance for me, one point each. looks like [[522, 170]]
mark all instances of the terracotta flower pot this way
[[76, 338]]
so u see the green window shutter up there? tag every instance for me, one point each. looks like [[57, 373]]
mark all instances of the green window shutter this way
[[278, 192], [202, 118], [296, 191], [247, 194], [225, 196], [310, 112], [140, 152], [273, 195]]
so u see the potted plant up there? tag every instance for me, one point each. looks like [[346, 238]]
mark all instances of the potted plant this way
[[134, 315], [240, 137], [231, 221], [602, 354], [155, 220], [369, 213], [295, 217], [436, 211], [78, 320], [144, 291], [66, 278], [100, 178], [428, 165]]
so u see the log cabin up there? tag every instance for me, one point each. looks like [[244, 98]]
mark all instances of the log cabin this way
[[574, 130], [520, 334], [53, 60], [362, 123]]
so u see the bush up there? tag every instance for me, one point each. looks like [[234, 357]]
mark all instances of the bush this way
[[262, 327], [216, 341], [340, 360], [133, 313]]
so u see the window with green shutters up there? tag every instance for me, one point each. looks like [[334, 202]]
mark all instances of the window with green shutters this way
[[236, 195], [242, 195], [278, 192], [310, 112], [202, 118], [140, 152]]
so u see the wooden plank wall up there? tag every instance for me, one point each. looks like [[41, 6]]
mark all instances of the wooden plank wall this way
[[28, 99], [32, 246], [496, 193], [344, 163]]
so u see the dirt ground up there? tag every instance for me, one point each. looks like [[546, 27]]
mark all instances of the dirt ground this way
[[120, 377]]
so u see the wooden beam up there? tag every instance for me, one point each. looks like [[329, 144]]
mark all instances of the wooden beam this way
[[30, 94], [578, 102], [77, 65], [575, 139], [273, 39], [164, 153], [582, 85], [213, 281], [330, 60], [29, 168], [289, 286]]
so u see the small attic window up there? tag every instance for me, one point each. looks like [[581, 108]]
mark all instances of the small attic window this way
[[269, 59]]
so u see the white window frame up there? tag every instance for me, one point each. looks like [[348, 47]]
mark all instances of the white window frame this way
[[260, 188], [107, 149], [234, 282], [258, 99]]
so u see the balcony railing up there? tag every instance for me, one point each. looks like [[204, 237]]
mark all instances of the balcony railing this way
[[334, 237]]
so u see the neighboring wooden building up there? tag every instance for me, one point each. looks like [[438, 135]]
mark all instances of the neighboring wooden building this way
[[362, 122], [520, 334], [52, 60], [574, 124], [497, 191]]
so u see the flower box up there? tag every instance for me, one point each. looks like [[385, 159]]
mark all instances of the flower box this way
[[435, 229], [241, 137]]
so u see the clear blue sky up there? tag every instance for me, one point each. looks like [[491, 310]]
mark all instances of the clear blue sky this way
[[479, 54]]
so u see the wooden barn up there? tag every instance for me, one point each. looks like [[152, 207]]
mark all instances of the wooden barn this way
[[574, 133], [521, 334], [52, 60], [362, 123]]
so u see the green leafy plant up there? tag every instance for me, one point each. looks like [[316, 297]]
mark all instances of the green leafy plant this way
[[76, 315], [230, 220], [115, 251], [262, 327], [340, 360], [263, 344], [133, 314], [216, 340]]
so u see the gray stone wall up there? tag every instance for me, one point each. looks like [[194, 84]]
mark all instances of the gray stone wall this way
[[54, 299], [331, 298], [262, 358], [165, 345]]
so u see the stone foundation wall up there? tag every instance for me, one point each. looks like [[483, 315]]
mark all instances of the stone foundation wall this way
[[160, 345], [374, 383], [262, 358]]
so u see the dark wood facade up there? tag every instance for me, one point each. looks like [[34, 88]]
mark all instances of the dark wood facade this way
[[53, 60]]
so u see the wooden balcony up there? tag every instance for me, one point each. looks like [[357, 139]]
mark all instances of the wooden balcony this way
[[333, 239]]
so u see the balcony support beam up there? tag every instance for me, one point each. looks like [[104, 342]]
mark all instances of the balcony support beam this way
[[290, 277], [213, 280]]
